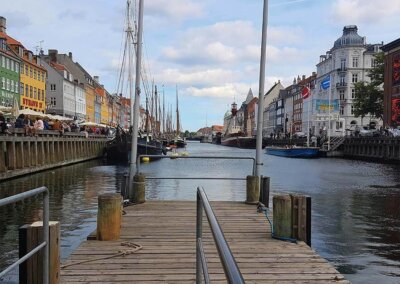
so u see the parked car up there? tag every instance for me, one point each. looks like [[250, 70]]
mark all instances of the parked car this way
[[394, 132], [299, 135], [369, 132]]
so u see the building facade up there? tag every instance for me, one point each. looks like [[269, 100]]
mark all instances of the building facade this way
[[269, 97], [9, 71], [391, 101], [345, 64]]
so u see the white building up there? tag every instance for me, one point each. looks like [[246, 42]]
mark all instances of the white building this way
[[269, 97], [346, 63]]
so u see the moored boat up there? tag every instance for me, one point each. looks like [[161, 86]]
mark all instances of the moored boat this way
[[294, 152]]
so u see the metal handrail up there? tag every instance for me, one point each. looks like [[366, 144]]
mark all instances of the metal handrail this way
[[45, 244], [229, 264], [194, 157]]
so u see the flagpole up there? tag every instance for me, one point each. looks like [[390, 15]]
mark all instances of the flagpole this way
[[329, 113], [259, 136], [308, 122]]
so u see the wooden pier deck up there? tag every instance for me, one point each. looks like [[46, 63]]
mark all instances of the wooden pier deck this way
[[167, 230]]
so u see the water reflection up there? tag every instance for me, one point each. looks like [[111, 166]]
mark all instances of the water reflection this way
[[356, 212]]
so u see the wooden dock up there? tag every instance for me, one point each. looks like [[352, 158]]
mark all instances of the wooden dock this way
[[167, 231]]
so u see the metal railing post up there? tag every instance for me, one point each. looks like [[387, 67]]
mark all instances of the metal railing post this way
[[199, 232], [46, 252]]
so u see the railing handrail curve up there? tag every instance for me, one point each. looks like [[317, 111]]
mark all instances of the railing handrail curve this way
[[45, 244], [228, 262]]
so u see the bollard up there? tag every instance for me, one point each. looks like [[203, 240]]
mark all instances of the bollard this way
[[301, 218], [30, 236], [109, 217], [139, 188], [252, 189], [282, 216], [264, 191]]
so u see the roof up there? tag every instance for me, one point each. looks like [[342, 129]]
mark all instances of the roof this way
[[10, 40], [391, 45], [57, 66], [349, 37]]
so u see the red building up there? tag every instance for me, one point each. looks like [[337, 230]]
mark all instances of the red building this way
[[391, 101]]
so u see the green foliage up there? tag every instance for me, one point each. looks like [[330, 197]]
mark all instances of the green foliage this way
[[369, 96]]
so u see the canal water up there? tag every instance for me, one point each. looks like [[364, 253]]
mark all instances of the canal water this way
[[355, 205]]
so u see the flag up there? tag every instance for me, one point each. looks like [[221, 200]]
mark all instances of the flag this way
[[306, 92], [326, 82]]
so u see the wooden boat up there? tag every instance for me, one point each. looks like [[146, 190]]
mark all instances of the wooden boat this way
[[119, 148], [293, 152]]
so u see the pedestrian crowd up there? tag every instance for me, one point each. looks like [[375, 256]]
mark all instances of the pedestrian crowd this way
[[33, 125]]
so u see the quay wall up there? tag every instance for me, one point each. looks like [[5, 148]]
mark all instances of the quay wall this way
[[22, 155], [381, 149]]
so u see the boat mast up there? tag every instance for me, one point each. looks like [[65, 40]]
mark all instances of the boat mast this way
[[261, 91], [135, 118], [155, 111], [163, 110], [177, 113]]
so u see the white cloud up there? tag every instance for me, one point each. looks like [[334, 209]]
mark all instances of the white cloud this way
[[176, 10], [205, 77], [362, 11]]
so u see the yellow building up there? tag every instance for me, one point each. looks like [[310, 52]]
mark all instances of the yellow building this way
[[90, 97], [104, 104], [32, 79]]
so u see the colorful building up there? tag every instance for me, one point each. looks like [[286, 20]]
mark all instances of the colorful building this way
[[391, 102], [100, 93], [32, 76], [9, 71]]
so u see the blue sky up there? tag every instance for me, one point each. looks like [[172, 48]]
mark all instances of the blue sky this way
[[211, 49]]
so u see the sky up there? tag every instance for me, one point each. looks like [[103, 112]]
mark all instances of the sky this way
[[209, 49]]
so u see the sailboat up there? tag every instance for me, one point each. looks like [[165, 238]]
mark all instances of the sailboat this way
[[120, 147], [178, 141], [296, 151]]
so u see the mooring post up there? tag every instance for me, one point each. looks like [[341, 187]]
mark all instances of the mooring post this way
[[252, 189], [30, 236], [264, 191], [282, 216], [139, 188], [109, 217]]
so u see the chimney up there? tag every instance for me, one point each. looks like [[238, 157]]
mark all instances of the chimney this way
[[3, 24], [298, 79], [53, 55], [96, 79], [70, 55], [303, 77], [314, 74]]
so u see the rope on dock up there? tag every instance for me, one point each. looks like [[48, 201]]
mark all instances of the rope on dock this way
[[262, 208], [135, 248]]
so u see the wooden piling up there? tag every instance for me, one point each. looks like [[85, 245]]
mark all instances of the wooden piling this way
[[252, 189], [264, 190], [282, 216], [30, 236], [301, 218], [139, 189], [109, 217]]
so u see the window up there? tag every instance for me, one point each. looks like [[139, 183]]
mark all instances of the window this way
[[8, 85], [341, 94], [353, 93], [26, 90], [12, 85], [22, 68], [34, 74], [3, 82], [7, 63], [341, 110], [16, 87], [355, 62], [352, 110], [35, 93], [354, 78], [3, 62], [342, 80], [30, 72], [52, 87], [343, 63], [30, 92], [26, 70], [16, 67]]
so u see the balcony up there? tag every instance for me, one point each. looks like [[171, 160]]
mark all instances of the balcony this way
[[341, 85], [342, 69]]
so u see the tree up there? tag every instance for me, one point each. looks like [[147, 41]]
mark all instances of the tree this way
[[369, 96]]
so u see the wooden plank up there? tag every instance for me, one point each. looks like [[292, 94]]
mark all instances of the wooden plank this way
[[166, 230]]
